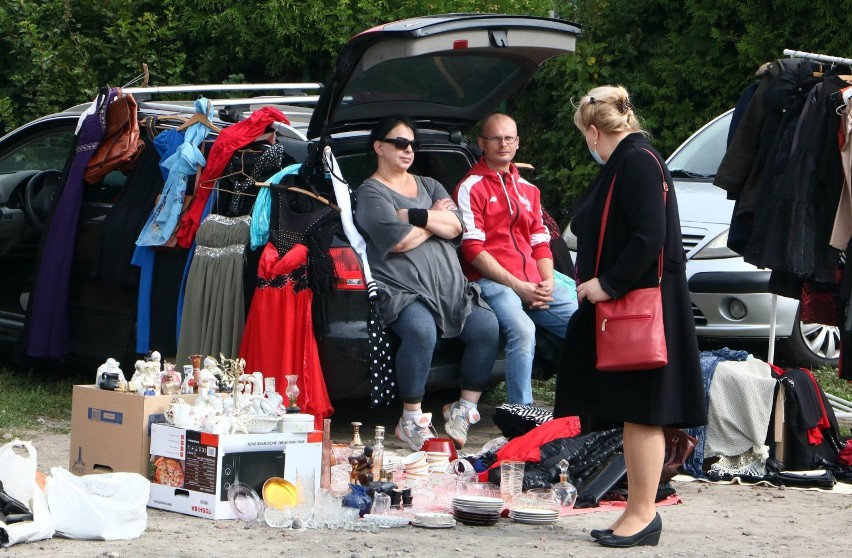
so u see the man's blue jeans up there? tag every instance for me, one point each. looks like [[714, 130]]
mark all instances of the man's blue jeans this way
[[517, 325]]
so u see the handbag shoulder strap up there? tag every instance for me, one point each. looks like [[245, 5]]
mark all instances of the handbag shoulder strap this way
[[606, 214]]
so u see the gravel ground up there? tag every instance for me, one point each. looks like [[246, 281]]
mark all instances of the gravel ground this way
[[713, 520]]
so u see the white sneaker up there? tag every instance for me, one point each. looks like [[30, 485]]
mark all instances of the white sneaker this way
[[414, 433], [458, 420]]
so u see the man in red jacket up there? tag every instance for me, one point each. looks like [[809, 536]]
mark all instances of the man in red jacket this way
[[506, 249]]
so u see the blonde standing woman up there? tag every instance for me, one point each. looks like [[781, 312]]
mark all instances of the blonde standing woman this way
[[639, 225]]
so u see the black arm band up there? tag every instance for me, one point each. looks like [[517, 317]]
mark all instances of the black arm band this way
[[418, 217]]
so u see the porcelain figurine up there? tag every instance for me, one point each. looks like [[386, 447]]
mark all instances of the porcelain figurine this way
[[147, 375], [115, 380]]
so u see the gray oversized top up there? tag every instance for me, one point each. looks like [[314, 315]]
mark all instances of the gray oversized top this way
[[430, 273]]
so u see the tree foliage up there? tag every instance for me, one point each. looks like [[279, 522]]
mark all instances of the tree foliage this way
[[684, 61]]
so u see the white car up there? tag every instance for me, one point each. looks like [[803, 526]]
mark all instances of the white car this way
[[729, 296]]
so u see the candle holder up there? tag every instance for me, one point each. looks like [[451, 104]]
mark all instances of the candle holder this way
[[292, 393], [356, 444]]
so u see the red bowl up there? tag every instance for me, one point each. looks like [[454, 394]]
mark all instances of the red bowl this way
[[441, 444]]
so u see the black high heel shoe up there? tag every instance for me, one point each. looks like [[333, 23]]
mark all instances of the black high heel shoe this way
[[649, 536], [598, 533]]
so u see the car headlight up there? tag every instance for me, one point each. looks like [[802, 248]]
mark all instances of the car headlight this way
[[715, 249]]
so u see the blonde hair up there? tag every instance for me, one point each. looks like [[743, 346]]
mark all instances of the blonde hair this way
[[608, 107]]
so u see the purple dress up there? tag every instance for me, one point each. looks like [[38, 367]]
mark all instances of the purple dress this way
[[47, 316]]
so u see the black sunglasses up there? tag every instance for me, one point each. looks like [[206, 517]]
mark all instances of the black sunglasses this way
[[403, 143]]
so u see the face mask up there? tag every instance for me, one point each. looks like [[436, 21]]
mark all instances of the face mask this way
[[596, 156]]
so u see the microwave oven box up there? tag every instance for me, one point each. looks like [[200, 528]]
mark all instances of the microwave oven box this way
[[191, 471], [111, 430]]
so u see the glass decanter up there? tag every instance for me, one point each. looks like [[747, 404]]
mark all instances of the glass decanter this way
[[565, 492], [379, 452]]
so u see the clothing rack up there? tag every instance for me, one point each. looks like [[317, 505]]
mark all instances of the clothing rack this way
[[770, 357], [818, 57]]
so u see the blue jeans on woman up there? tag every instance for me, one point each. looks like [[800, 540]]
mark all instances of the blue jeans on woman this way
[[518, 324], [416, 329]]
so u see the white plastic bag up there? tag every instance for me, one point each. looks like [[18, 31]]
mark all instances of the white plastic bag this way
[[108, 506], [18, 474]]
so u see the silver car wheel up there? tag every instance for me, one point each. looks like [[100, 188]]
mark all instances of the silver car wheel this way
[[823, 340]]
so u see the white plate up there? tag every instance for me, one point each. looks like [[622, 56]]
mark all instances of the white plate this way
[[434, 525], [534, 521], [535, 512], [479, 500], [432, 517]]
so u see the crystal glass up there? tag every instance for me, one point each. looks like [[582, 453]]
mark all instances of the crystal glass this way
[[306, 485], [543, 497], [511, 479], [381, 504]]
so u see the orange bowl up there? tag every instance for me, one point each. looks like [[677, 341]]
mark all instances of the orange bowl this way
[[441, 444]]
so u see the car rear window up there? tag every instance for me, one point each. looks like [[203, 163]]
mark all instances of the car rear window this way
[[452, 80]]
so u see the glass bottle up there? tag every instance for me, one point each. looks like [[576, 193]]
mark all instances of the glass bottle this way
[[565, 492], [379, 452]]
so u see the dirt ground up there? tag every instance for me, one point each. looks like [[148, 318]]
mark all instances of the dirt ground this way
[[713, 520]]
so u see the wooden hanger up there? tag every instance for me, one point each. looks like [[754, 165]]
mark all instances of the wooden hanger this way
[[202, 118], [302, 191]]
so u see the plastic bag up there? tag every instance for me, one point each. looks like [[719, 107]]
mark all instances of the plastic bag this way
[[18, 474], [108, 507]]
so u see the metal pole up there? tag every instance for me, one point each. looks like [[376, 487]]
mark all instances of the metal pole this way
[[818, 57], [770, 357]]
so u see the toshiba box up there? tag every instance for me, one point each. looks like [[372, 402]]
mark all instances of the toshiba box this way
[[191, 471], [111, 430]]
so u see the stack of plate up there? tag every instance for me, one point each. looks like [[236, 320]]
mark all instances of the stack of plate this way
[[477, 510], [432, 520], [534, 516]]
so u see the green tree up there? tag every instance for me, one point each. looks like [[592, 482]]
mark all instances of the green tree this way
[[58, 53]]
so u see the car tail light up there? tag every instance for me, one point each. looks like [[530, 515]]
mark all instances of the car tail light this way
[[350, 276], [459, 44]]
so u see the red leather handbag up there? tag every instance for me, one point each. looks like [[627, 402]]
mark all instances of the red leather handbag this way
[[629, 331]]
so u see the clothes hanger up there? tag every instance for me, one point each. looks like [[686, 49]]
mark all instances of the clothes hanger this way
[[299, 190], [202, 118], [240, 172]]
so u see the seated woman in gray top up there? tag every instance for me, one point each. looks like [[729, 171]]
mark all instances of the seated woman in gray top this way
[[412, 228]]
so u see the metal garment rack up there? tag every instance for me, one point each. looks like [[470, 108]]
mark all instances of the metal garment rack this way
[[818, 57], [770, 357]]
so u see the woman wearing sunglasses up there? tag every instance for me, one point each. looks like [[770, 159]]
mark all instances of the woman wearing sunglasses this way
[[412, 229]]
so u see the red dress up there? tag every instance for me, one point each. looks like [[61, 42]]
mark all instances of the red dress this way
[[279, 338]]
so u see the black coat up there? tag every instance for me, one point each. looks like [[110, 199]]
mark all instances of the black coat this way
[[638, 227]]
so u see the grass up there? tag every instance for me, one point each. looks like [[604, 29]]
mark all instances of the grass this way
[[29, 400], [830, 383]]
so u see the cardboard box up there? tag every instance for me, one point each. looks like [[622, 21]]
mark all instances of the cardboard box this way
[[111, 430], [191, 471]]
